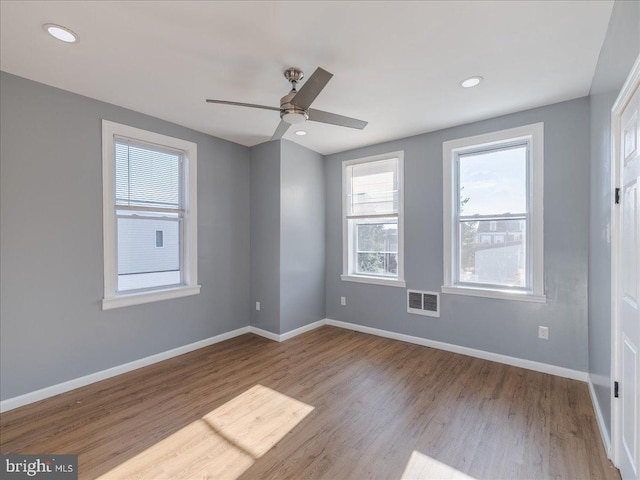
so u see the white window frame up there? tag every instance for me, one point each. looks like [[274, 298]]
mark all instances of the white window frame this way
[[534, 135], [348, 274], [113, 298]]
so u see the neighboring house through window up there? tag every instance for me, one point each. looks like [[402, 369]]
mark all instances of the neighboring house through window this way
[[493, 214], [149, 195], [373, 220]]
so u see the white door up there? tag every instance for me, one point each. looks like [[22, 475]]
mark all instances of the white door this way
[[627, 284]]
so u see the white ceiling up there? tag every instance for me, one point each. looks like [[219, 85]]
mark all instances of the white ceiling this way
[[395, 64]]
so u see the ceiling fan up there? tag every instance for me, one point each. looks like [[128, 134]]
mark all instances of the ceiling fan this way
[[294, 107]]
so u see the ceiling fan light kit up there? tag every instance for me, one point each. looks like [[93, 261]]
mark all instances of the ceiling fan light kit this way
[[294, 107], [294, 116]]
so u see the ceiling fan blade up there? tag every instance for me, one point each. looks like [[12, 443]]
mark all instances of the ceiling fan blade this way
[[281, 130], [334, 119], [240, 104], [311, 88]]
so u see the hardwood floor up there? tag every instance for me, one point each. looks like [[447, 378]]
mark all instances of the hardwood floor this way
[[331, 404]]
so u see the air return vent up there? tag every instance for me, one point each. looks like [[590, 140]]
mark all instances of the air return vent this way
[[423, 303]]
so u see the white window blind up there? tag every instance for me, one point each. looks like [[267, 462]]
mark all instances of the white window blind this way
[[148, 199], [372, 190], [147, 176]]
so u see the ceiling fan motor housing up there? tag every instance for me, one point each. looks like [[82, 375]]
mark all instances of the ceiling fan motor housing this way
[[290, 112]]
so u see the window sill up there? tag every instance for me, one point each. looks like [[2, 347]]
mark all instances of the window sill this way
[[128, 299], [494, 293], [390, 282]]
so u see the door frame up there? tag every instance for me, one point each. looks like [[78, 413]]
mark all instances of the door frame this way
[[632, 82]]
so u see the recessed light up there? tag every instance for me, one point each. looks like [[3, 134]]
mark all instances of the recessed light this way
[[60, 32], [471, 82], [301, 133]]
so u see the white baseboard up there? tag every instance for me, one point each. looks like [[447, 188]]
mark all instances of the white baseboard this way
[[31, 397], [604, 433], [472, 352], [264, 333], [35, 396], [287, 335], [306, 328]]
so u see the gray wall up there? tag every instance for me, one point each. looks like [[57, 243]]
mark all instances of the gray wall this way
[[265, 236], [52, 328], [619, 51], [287, 236], [500, 326], [302, 231]]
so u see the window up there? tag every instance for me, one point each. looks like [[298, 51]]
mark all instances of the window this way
[[493, 215], [372, 220], [149, 214]]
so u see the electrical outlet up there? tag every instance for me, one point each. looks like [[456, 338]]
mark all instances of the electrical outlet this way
[[343, 301], [543, 332], [258, 306]]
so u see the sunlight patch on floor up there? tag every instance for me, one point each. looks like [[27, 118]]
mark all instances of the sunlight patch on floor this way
[[223, 444], [256, 420], [423, 467]]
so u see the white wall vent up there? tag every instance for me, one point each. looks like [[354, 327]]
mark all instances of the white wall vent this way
[[423, 303]]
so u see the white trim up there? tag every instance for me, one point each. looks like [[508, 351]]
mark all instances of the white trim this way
[[265, 333], [390, 282], [37, 395], [534, 134], [604, 434], [189, 150], [491, 138], [628, 88], [126, 300], [108, 214], [472, 352], [301, 330], [615, 254], [501, 294], [191, 214], [537, 206], [346, 274], [47, 392], [287, 335], [616, 224]]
